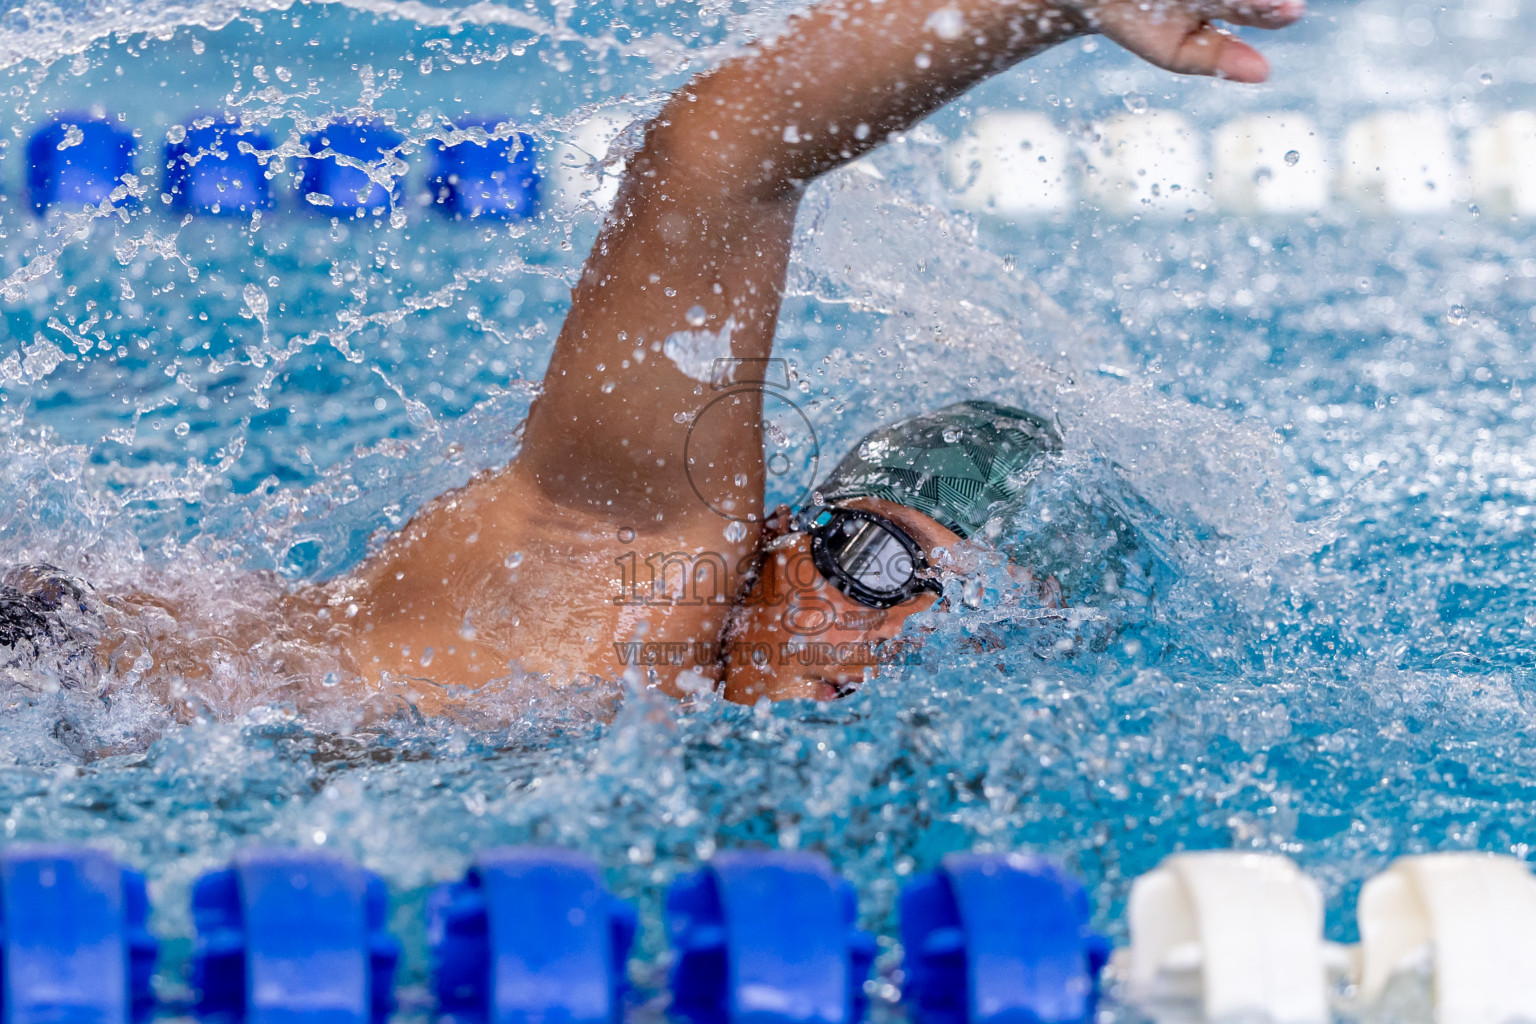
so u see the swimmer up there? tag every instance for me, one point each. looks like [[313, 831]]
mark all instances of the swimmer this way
[[595, 538], [699, 239]]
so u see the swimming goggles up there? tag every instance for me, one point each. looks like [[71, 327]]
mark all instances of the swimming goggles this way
[[865, 555]]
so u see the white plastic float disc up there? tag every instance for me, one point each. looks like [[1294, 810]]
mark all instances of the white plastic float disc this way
[[1475, 914], [1242, 932]]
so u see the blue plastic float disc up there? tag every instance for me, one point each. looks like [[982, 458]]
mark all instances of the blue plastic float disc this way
[[77, 161], [293, 937], [498, 179], [767, 937], [330, 184], [999, 939], [206, 172], [73, 938], [530, 936]]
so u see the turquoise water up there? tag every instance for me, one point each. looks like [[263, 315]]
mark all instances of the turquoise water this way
[[1300, 447]]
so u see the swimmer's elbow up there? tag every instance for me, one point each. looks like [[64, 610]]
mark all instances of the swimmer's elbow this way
[[702, 140]]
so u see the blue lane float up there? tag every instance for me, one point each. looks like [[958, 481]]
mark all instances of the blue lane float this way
[[498, 179], [1000, 939], [527, 937], [74, 943], [292, 937], [207, 173], [77, 161], [767, 937], [328, 183]]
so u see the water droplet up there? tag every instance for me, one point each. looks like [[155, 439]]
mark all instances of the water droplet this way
[[923, 61], [740, 479], [873, 451], [513, 560], [607, 387], [1292, 158], [946, 23], [735, 531], [1263, 176], [952, 435], [331, 679], [256, 299], [183, 428], [696, 316], [1485, 78], [626, 535], [176, 133], [426, 657], [1457, 315], [1135, 102]]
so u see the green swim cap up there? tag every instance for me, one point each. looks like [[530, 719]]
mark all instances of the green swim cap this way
[[953, 465]]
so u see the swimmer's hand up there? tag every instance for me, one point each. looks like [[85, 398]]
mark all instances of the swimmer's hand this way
[[1182, 35]]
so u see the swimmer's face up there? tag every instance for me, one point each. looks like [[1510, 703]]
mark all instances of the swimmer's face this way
[[798, 636]]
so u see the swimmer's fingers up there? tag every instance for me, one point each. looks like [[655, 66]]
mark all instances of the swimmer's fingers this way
[[1254, 13], [1183, 39], [1251, 13]]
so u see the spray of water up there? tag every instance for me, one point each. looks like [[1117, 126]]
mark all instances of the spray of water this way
[[1289, 519]]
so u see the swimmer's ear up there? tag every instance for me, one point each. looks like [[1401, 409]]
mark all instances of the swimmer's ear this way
[[778, 523]]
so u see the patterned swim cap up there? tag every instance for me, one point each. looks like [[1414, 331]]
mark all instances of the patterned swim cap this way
[[953, 465]]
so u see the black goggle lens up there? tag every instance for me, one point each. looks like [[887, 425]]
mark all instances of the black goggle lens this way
[[866, 556], [872, 555]]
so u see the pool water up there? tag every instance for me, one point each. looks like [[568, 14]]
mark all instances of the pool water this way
[[1294, 511]]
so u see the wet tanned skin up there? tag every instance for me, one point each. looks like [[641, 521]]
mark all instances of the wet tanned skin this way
[[704, 219]]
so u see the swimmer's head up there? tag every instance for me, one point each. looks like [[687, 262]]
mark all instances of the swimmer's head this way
[[956, 466], [936, 479]]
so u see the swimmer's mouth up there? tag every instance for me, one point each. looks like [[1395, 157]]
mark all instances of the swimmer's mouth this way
[[830, 690]]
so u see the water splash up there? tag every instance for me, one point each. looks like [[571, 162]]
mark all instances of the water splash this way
[[1290, 519]]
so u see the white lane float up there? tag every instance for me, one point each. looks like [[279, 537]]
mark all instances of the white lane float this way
[[579, 163], [1503, 164], [1013, 163], [1402, 162], [1392, 163], [1471, 917], [1238, 935], [1149, 163], [1274, 163]]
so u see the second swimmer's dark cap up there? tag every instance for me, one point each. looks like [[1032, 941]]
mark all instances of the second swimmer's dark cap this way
[[954, 465]]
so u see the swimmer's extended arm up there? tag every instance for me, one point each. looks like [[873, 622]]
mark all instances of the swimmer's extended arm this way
[[701, 231]]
